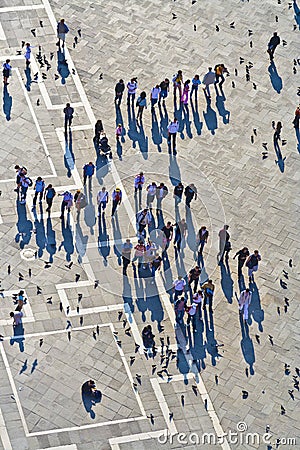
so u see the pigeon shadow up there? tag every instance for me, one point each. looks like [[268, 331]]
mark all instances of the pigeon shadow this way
[[7, 103], [223, 112], [67, 242], [62, 66], [275, 79], [27, 72], [155, 132], [210, 118], [103, 239], [280, 160], [198, 124], [24, 226], [18, 337], [297, 13], [247, 345], [50, 240], [69, 158], [226, 281]]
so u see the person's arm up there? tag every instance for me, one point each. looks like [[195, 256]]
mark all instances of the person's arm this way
[[236, 255]]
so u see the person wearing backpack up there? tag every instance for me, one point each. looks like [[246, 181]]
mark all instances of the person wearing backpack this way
[[177, 83], [161, 193], [252, 264], [66, 203], [141, 103], [116, 200], [62, 30], [25, 183], [39, 188], [180, 309], [208, 289], [220, 69], [49, 196]]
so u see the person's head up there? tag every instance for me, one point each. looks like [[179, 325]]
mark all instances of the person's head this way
[[210, 281], [67, 105], [12, 314], [169, 224], [8, 61], [140, 242], [180, 184], [275, 33], [203, 228], [222, 65], [128, 241], [183, 220], [143, 94], [118, 190], [245, 249], [226, 227], [17, 167], [161, 185], [187, 82], [256, 252], [247, 290], [196, 77], [153, 183], [62, 20], [49, 186], [179, 277], [179, 72], [27, 44], [90, 163], [103, 189], [121, 81], [210, 69], [197, 267], [157, 86], [21, 293], [133, 80], [119, 125], [39, 179], [167, 80], [145, 210], [141, 173], [78, 191]]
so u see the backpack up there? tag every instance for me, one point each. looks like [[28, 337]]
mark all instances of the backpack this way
[[174, 78], [118, 196], [138, 101], [29, 181]]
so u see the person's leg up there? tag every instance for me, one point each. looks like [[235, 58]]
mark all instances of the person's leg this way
[[62, 209], [41, 196], [174, 141], [210, 300], [222, 80], [208, 90], [114, 207], [84, 179], [35, 198], [128, 99], [196, 285]]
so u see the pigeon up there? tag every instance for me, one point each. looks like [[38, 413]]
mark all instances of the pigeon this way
[[286, 301], [38, 290], [232, 25], [76, 40], [271, 339], [9, 269], [35, 76], [23, 43], [252, 139], [49, 300], [38, 102], [81, 320], [216, 379], [41, 341], [195, 390], [283, 284], [257, 337], [182, 399], [284, 43], [68, 310], [79, 298], [278, 310], [44, 76], [98, 330], [290, 6], [24, 367], [137, 346], [294, 70], [96, 284], [48, 67], [56, 77], [115, 333], [291, 263], [282, 410], [193, 2], [19, 52], [132, 359], [205, 404], [60, 306], [134, 386], [265, 155], [242, 60], [285, 274], [233, 84], [284, 142], [124, 323], [276, 18], [33, 31], [244, 395], [101, 76], [195, 28], [95, 335], [295, 27], [251, 44], [77, 277], [69, 325], [34, 365], [151, 417], [51, 56], [69, 335], [120, 314], [174, 16], [296, 384], [74, 45], [250, 32], [254, 86], [285, 308], [73, 72], [119, 343], [168, 341], [153, 368], [69, 265], [287, 369], [247, 372], [171, 415], [160, 373], [217, 28], [264, 144], [79, 32], [291, 392], [127, 331], [77, 309], [21, 278], [235, 72]]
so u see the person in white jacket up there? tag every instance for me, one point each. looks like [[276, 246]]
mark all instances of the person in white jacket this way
[[209, 78], [244, 303]]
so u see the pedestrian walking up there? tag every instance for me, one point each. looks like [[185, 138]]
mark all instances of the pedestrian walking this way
[[80, 201], [191, 313], [19, 172], [139, 255], [195, 86], [178, 287], [177, 83], [119, 89], [208, 289], [252, 264], [88, 172], [180, 232], [209, 78], [242, 257], [131, 91], [20, 301], [220, 69], [141, 104], [25, 183], [49, 196], [39, 188], [202, 238], [67, 202], [17, 318], [62, 30], [190, 193], [224, 244], [167, 235], [116, 200], [164, 90], [119, 132], [139, 181], [143, 218], [98, 131], [273, 43], [193, 277], [126, 255], [155, 265], [68, 111], [102, 200], [161, 193], [6, 71], [297, 118], [173, 128], [277, 132], [27, 54], [179, 308], [154, 96], [177, 193], [185, 94], [198, 299], [244, 303], [151, 194]]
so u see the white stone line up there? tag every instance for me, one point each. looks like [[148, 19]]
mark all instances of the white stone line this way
[[13, 180], [36, 124], [74, 171], [114, 442], [63, 447], [20, 8], [1, 220], [13, 386], [75, 105], [4, 434], [2, 34], [135, 391], [163, 405], [134, 329], [73, 284], [76, 127]]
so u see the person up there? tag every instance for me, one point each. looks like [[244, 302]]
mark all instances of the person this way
[[139, 254], [164, 90], [131, 88], [25, 183], [277, 131], [148, 337], [102, 199], [6, 71], [191, 312], [88, 172], [20, 301], [173, 127], [27, 54], [126, 255], [180, 232], [190, 192], [119, 132], [252, 264], [202, 238], [242, 256], [177, 193], [67, 202], [80, 201], [244, 303], [116, 200], [143, 218], [177, 83], [154, 96], [141, 103], [208, 289], [49, 196], [220, 69], [39, 188], [198, 299], [119, 89], [179, 307], [185, 94], [98, 131], [155, 264], [19, 172], [178, 287], [297, 117], [273, 43], [62, 30], [224, 243], [195, 85], [193, 277], [151, 193], [167, 231], [138, 182], [161, 193], [17, 317], [209, 78], [68, 111]]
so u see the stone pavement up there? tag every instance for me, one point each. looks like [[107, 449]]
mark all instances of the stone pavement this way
[[43, 369]]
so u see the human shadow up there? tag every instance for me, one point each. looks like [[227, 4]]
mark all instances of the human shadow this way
[[24, 226], [211, 342], [297, 13], [50, 240], [40, 233], [275, 79], [198, 124], [89, 211], [89, 400], [174, 170], [280, 160], [62, 65], [101, 167], [191, 234], [18, 337], [297, 131], [127, 293], [153, 303], [164, 120], [27, 72], [255, 310], [7, 103], [155, 131], [226, 281], [80, 242], [187, 122], [178, 112], [247, 345], [210, 118], [69, 157], [196, 344], [117, 238], [223, 112], [103, 239], [67, 242], [136, 133]]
